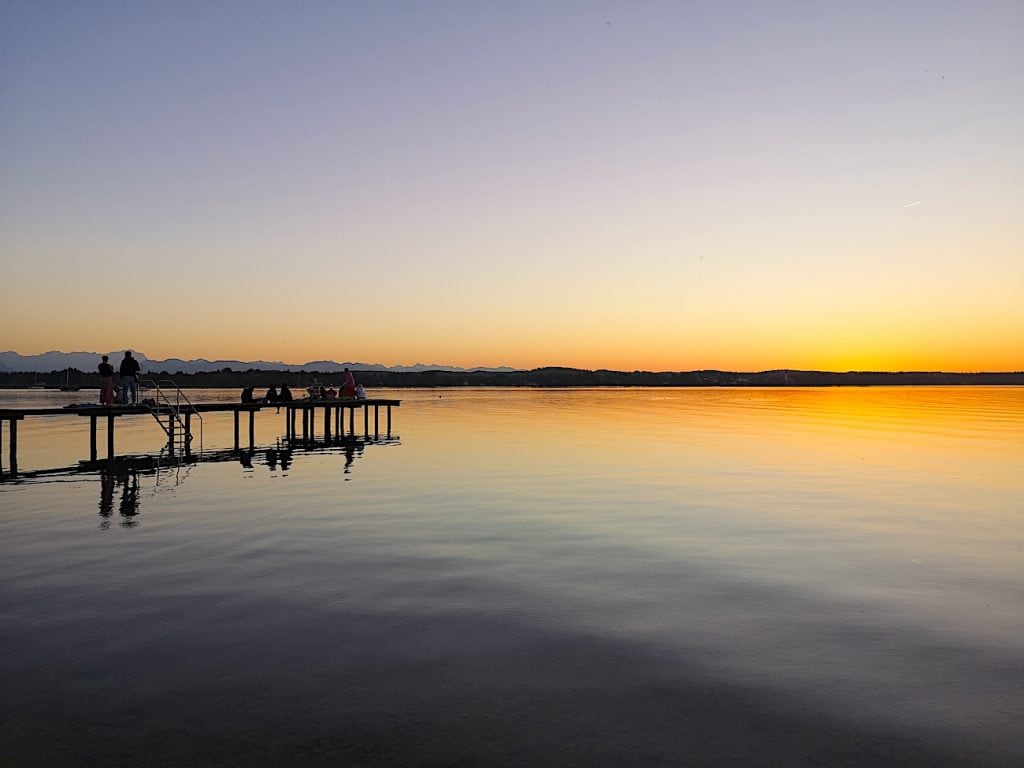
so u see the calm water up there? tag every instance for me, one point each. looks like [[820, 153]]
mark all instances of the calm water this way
[[587, 577]]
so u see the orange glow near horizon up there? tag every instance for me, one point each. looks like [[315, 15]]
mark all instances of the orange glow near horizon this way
[[682, 194]]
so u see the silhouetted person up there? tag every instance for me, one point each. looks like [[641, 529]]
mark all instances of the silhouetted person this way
[[129, 372], [285, 395], [272, 397], [247, 395], [349, 388], [106, 382]]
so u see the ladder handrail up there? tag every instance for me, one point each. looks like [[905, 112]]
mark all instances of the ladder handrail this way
[[175, 408]]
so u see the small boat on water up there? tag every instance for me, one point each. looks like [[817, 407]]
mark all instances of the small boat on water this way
[[68, 386]]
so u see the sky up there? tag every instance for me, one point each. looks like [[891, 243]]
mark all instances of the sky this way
[[634, 186]]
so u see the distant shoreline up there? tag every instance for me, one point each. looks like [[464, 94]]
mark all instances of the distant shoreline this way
[[540, 377]]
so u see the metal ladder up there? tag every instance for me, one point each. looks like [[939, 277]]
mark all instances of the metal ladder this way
[[173, 411]]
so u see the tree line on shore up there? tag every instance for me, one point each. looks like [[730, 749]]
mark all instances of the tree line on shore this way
[[538, 377]]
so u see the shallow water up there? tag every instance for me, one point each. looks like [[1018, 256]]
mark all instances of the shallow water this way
[[530, 577]]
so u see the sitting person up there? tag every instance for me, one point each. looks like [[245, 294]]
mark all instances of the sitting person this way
[[247, 395], [360, 392], [331, 393], [271, 396], [285, 394]]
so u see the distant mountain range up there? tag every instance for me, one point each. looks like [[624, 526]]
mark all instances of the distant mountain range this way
[[12, 362]]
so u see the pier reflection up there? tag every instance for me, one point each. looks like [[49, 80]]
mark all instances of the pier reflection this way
[[121, 487]]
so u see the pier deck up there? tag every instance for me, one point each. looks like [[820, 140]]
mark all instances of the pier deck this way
[[333, 417]]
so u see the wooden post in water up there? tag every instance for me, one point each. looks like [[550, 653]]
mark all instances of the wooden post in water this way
[[170, 434], [188, 433], [252, 430], [389, 421], [376, 420], [92, 438], [366, 420], [327, 423], [236, 429], [13, 429]]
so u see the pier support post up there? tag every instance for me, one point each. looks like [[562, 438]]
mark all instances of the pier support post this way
[[366, 420], [92, 438], [305, 424], [376, 420], [170, 434], [188, 433], [352, 420], [110, 437], [13, 429], [252, 430], [327, 423], [389, 422], [236, 429]]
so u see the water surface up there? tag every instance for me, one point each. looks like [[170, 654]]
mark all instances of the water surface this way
[[530, 577]]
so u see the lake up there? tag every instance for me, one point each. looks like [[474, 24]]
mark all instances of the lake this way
[[589, 577]]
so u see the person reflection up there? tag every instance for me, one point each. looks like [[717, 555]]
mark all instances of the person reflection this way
[[350, 456], [107, 482], [129, 498], [285, 457], [245, 458], [272, 458]]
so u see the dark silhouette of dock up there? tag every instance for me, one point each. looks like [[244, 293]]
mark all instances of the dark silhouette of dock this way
[[176, 422]]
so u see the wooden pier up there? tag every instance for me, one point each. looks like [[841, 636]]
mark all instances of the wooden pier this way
[[176, 423]]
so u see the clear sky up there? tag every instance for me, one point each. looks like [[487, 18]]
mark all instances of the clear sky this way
[[635, 185]]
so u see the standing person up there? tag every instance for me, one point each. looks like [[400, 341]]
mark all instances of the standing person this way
[[349, 390], [129, 378], [106, 382]]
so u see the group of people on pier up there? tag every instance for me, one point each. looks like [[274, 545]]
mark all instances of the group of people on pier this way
[[349, 389], [272, 396], [128, 374], [128, 378]]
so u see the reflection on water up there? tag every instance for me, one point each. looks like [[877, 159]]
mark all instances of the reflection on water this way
[[128, 480], [121, 476], [589, 577]]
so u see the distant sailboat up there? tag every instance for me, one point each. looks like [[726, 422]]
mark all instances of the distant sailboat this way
[[68, 387]]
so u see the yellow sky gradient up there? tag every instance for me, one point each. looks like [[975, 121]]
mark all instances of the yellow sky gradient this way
[[676, 188]]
